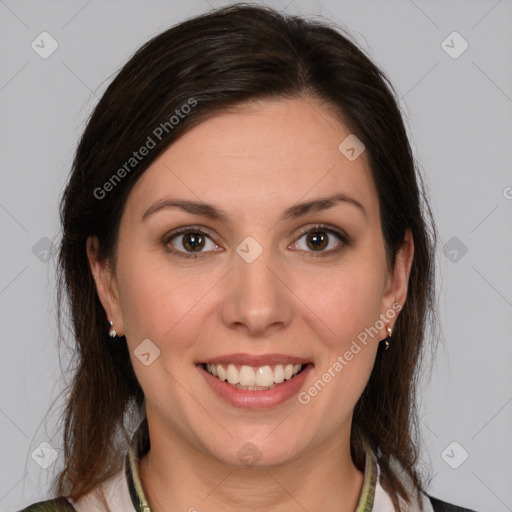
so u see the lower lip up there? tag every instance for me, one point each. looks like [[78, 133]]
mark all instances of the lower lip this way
[[256, 399]]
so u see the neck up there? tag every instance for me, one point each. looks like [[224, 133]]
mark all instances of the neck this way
[[176, 476]]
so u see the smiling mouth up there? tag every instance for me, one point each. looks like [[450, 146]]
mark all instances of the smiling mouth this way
[[252, 378]]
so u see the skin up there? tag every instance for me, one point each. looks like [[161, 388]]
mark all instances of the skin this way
[[253, 162]]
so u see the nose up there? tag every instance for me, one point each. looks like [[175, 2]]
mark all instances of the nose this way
[[257, 298]]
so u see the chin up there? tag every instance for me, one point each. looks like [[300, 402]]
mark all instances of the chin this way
[[256, 452]]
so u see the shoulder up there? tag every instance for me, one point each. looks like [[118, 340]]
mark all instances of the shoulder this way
[[59, 504], [443, 506], [421, 500]]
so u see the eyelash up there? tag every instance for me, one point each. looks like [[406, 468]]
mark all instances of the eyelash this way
[[311, 229]]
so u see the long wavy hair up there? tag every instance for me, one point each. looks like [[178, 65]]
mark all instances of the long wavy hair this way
[[218, 60]]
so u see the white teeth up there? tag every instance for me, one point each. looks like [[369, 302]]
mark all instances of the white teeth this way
[[221, 373], [248, 377], [264, 376], [278, 374], [233, 375], [288, 371]]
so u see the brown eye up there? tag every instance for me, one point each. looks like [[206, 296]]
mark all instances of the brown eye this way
[[190, 242], [317, 240], [321, 240], [193, 241]]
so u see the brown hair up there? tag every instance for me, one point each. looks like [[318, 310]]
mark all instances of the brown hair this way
[[215, 61]]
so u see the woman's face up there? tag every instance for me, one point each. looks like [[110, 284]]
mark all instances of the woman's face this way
[[249, 281]]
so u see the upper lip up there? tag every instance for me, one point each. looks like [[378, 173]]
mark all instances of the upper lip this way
[[256, 360]]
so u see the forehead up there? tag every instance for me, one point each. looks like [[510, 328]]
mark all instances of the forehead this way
[[258, 156]]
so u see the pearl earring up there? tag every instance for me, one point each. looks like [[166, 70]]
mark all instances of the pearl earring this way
[[112, 332], [388, 337]]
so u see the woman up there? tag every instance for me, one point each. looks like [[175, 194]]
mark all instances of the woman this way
[[250, 273]]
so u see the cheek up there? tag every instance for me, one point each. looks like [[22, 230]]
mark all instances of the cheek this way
[[345, 302], [355, 307], [164, 307], [350, 309], [160, 303]]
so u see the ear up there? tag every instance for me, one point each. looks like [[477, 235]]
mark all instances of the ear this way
[[398, 278], [106, 284]]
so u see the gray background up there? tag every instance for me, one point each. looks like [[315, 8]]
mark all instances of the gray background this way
[[459, 117]]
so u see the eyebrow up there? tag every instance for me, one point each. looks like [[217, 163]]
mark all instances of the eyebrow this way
[[215, 213]]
